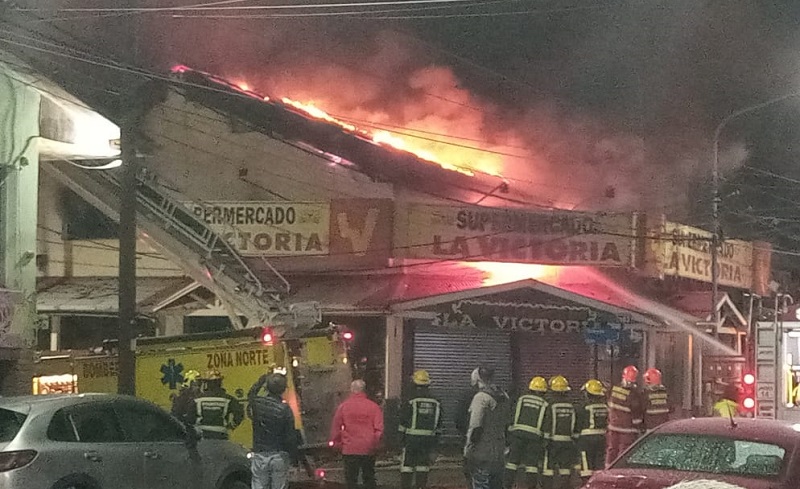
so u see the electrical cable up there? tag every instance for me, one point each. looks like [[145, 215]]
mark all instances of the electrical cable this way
[[244, 7]]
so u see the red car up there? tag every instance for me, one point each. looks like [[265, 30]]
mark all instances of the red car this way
[[750, 453]]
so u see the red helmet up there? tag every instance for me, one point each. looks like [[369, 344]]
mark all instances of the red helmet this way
[[630, 373], [652, 376]]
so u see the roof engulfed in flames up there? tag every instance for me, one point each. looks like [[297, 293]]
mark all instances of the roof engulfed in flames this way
[[379, 137]]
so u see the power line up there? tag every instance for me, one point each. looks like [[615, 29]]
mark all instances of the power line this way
[[246, 7]]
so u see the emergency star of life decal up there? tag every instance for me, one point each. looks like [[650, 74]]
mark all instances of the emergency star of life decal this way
[[172, 373]]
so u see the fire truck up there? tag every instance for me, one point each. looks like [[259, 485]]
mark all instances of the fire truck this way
[[316, 367]]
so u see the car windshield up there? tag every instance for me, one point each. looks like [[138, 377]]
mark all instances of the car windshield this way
[[699, 453], [10, 424]]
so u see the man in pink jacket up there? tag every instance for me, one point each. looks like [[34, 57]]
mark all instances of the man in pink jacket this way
[[357, 428]]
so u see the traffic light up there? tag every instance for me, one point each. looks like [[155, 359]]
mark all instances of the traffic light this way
[[347, 335], [267, 337], [748, 399]]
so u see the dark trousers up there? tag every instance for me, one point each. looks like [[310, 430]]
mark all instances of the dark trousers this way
[[363, 464], [592, 450], [526, 451], [559, 461], [616, 443], [416, 461]]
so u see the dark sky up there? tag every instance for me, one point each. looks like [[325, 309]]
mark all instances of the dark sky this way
[[598, 94]]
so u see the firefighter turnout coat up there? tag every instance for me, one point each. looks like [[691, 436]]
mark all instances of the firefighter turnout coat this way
[[591, 425], [656, 408]]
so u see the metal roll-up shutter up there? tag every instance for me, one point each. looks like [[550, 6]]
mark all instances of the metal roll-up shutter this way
[[552, 354], [450, 357]]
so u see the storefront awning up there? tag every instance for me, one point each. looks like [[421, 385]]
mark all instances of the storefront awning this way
[[90, 295]]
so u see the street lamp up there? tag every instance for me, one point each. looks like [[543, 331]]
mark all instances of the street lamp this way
[[715, 238]]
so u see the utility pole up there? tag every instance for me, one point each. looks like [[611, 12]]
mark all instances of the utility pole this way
[[126, 371], [716, 240]]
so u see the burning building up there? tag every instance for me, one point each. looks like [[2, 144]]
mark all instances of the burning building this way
[[249, 204]]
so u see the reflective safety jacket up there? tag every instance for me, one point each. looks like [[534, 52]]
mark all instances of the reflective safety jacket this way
[[559, 419], [725, 408], [592, 418], [624, 409], [421, 416], [529, 415], [218, 412], [656, 410]]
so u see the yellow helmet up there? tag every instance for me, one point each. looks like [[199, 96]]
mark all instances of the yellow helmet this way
[[538, 384], [190, 376], [213, 374], [594, 387], [559, 383], [421, 377]]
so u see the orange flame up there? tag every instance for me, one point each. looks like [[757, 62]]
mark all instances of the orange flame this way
[[383, 138], [497, 273]]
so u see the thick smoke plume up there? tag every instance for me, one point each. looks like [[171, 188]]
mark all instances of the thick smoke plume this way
[[580, 142]]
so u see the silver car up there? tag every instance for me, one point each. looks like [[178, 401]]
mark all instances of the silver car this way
[[100, 441]]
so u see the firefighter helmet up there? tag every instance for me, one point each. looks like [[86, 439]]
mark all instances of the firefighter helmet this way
[[538, 384], [559, 383], [213, 374], [630, 373], [189, 377], [594, 387], [421, 377], [652, 376]]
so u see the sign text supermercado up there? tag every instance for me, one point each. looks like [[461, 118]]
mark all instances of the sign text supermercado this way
[[270, 228], [511, 235], [686, 252]]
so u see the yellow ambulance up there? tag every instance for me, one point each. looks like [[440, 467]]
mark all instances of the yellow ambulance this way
[[316, 367]]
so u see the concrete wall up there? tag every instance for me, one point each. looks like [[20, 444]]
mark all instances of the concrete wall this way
[[85, 258]]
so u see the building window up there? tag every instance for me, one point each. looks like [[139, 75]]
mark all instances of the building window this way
[[208, 324], [84, 332], [83, 221]]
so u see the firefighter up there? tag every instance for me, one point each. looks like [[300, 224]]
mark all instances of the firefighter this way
[[559, 428], [217, 411], [183, 404], [591, 423], [420, 421], [728, 406], [656, 401], [526, 441], [624, 414]]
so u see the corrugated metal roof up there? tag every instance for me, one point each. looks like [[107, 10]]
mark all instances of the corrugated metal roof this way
[[99, 295]]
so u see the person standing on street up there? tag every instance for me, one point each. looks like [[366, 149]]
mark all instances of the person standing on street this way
[[357, 429], [526, 443], [275, 439], [183, 404], [217, 411], [656, 400], [488, 419], [625, 413], [591, 423], [420, 421], [559, 430], [462, 425]]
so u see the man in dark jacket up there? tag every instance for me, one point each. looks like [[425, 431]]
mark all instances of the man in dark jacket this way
[[275, 439], [486, 443]]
